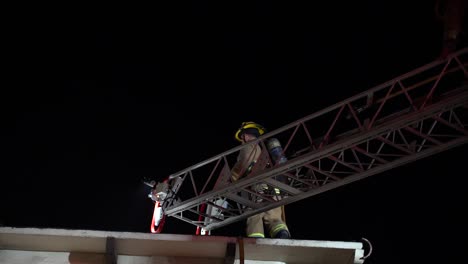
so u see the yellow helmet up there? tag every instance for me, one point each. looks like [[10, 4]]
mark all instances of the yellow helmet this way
[[249, 127]]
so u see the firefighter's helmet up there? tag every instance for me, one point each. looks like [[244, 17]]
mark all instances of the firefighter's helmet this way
[[251, 128]]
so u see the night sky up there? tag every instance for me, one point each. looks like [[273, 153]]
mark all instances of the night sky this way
[[94, 107]]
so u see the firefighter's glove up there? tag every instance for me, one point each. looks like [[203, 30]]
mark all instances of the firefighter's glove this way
[[261, 188]]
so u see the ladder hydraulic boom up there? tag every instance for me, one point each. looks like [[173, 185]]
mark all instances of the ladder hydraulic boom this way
[[415, 115]]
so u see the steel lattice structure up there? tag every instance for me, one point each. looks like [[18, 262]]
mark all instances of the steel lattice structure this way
[[407, 118]]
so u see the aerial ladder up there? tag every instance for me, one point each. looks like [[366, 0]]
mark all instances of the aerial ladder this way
[[413, 116]]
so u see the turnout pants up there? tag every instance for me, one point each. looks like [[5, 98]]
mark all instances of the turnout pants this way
[[272, 220]]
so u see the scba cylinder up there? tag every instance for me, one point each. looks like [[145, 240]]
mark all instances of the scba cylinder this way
[[276, 151]]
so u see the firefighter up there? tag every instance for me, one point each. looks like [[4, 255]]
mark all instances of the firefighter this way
[[274, 218]]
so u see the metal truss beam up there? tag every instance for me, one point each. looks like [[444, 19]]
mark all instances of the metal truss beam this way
[[405, 119]]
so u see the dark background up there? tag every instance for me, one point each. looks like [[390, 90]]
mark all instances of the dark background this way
[[100, 98]]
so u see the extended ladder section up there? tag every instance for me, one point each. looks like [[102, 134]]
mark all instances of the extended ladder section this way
[[405, 119]]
